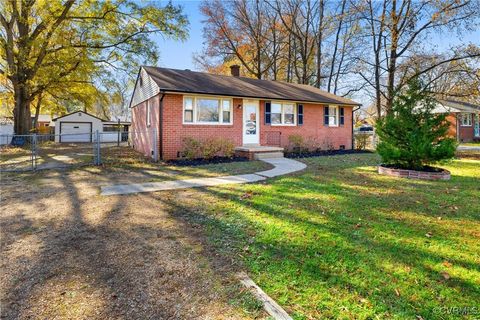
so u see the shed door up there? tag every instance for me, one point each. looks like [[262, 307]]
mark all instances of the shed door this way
[[75, 132]]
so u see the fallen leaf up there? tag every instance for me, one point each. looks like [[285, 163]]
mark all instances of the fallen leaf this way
[[447, 264], [445, 275], [246, 195], [358, 225]]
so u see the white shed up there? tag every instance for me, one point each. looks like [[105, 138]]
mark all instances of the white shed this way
[[77, 126], [6, 130]]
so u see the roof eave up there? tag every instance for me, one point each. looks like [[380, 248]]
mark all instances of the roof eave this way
[[165, 90]]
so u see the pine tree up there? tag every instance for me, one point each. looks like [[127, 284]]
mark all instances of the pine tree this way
[[412, 136]]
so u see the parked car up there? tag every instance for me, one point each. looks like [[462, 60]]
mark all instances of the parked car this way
[[365, 129]]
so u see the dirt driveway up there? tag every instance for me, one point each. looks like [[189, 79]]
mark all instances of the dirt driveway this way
[[69, 253]]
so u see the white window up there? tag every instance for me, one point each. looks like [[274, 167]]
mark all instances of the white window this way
[[288, 114], [276, 113], [330, 116], [283, 113], [149, 116], [188, 110], [466, 120], [206, 110], [226, 111]]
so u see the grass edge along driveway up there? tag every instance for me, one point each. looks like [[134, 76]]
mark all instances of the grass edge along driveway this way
[[340, 241]]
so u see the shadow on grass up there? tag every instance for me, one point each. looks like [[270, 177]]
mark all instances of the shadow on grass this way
[[325, 244], [80, 265]]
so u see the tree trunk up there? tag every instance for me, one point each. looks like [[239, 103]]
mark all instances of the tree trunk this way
[[392, 66], [37, 113], [319, 45], [22, 116], [335, 48], [289, 59]]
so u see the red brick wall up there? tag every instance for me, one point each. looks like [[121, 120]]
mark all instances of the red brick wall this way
[[466, 134], [174, 130], [143, 136], [312, 127]]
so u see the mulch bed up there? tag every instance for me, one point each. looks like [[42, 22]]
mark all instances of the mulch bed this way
[[323, 153], [202, 161], [423, 169]]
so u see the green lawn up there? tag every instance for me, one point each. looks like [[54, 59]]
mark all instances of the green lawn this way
[[471, 144], [340, 241]]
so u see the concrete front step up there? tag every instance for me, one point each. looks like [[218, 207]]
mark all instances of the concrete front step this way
[[259, 152], [267, 155]]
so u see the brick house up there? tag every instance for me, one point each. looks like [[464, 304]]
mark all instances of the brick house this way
[[464, 119], [169, 105]]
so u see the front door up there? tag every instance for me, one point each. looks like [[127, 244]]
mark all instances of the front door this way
[[251, 128], [477, 125]]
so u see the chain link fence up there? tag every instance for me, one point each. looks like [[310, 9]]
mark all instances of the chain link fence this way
[[51, 151]]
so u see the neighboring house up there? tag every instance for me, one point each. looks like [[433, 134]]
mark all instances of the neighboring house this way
[[44, 123], [169, 105], [80, 126], [6, 130], [464, 119]]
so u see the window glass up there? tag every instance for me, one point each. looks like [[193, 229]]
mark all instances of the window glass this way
[[289, 114], [342, 116], [188, 110], [226, 111], [189, 103], [208, 110], [332, 116], [466, 119], [276, 113]]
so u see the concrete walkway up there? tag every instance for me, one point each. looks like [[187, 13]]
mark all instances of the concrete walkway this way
[[282, 166], [468, 148]]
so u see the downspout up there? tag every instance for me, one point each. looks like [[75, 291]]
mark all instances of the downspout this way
[[457, 129], [160, 126], [353, 137]]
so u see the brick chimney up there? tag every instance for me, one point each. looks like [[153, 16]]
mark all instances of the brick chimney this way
[[235, 70]]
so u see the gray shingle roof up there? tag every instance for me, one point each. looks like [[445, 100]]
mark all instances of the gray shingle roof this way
[[460, 106], [187, 81]]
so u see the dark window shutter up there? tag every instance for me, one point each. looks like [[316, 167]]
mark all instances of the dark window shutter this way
[[325, 115], [268, 112], [300, 114], [342, 116]]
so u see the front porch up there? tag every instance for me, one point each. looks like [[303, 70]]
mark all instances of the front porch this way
[[257, 152]]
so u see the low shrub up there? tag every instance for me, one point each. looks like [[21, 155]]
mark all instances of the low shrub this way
[[228, 148], [296, 143], [361, 141], [208, 148], [328, 145], [191, 148], [312, 144]]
